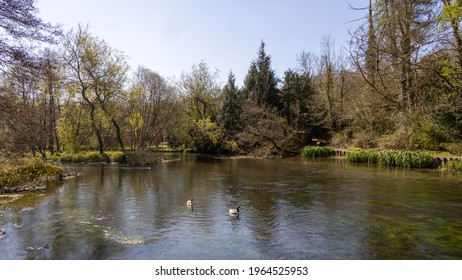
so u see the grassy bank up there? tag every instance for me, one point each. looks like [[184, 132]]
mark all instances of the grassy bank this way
[[92, 156], [18, 174], [134, 158]]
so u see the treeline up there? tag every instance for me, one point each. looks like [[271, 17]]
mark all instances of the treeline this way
[[397, 85]]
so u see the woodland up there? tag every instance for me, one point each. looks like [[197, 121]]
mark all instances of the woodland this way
[[397, 84]]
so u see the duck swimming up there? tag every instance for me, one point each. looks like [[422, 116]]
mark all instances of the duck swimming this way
[[190, 202], [234, 211]]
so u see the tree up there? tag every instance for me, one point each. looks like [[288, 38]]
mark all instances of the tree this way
[[152, 108], [295, 95], [51, 85], [97, 72], [231, 109], [19, 27], [387, 52], [260, 85], [200, 92]]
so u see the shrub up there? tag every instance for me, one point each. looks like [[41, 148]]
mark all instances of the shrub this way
[[316, 151], [141, 158], [428, 136]]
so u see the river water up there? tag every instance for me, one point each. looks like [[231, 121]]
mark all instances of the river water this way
[[290, 209]]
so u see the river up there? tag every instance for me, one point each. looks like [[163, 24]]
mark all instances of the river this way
[[289, 209]]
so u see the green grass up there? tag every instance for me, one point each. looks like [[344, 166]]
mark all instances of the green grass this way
[[410, 159], [316, 151], [93, 156]]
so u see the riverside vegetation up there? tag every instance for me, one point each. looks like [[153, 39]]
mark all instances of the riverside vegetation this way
[[398, 158], [394, 90], [27, 174]]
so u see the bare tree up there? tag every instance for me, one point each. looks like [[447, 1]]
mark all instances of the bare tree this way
[[152, 108], [20, 26]]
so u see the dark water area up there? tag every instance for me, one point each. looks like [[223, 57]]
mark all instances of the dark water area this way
[[290, 209]]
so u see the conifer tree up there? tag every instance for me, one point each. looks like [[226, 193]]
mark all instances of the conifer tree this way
[[260, 85], [232, 108]]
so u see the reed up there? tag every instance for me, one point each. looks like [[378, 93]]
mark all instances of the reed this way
[[451, 166], [410, 159], [316, 151]]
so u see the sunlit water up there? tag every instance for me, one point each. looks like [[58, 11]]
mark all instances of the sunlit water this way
[[290, 209]]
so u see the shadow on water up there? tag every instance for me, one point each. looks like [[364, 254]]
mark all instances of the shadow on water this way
[[290, 209]]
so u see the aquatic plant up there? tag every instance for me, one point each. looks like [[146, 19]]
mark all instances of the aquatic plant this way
[[362, 156], [316, 151], [451, 166], [410, 159]]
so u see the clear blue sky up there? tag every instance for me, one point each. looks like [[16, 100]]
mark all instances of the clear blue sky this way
[[170, 36]]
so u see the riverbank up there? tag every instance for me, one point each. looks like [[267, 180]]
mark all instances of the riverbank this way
[[28, 174]]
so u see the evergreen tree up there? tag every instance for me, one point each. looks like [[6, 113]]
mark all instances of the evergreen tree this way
[[232, 108], [260, 85], [295, 97]]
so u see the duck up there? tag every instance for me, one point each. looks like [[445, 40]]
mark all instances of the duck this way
[[190, 202], [234, 211]]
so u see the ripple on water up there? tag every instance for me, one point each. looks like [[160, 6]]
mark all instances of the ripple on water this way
[[118, 237]]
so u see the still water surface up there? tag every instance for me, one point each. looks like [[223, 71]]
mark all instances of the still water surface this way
[[290, 209]]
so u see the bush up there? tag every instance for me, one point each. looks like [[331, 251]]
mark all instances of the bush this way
[[141, 158], [316, 151], [208, 137], [428, 137]]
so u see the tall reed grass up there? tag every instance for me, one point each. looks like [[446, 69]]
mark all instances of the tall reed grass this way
[[451, 166], [316, 151], [410, 159]]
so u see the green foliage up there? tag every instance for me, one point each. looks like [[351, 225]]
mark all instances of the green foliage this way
[[295, 94], [231, 110], [316, 151], [362, 156], [452, 166], [27, 171], [260, 85], [428, 137], [410, 159], [208, 137]]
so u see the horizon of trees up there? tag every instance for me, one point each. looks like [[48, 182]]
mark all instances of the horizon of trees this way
[[396, 85]]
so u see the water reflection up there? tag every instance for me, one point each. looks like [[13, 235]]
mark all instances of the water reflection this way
[[290, 209]]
